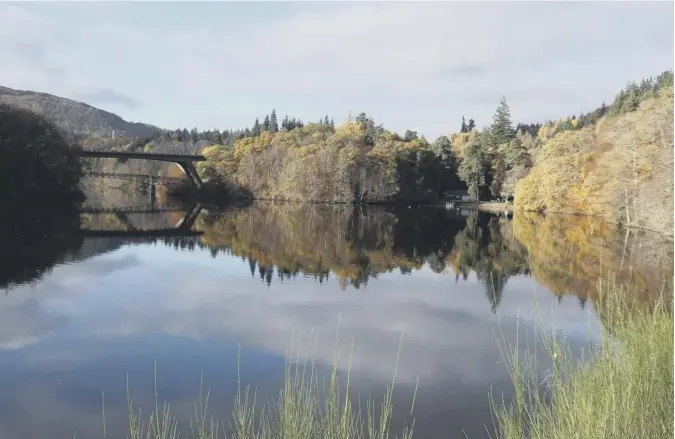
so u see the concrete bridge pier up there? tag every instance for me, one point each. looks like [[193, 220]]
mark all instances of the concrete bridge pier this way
[[191, 173]]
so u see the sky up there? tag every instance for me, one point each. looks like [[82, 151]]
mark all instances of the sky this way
[[412, 65]]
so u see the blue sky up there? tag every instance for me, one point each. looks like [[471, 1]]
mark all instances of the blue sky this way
[[417, 66]]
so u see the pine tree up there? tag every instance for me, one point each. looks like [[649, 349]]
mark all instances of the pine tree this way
[[464, 128], [256, 128], [266, 123], [409, 135], [502, 128], [284, 123], [516, 154], [470, 126], [274, 126], [326, 121], [332, 123]]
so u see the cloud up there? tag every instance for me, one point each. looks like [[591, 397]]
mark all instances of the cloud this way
[[107, 96], [30, 314], [232, 307], [187, 304], [411, 65]]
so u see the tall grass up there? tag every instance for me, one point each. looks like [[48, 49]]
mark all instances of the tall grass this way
[[305, 408], [623, 389]]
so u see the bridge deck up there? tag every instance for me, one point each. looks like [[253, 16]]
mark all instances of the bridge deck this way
[[142, 156]]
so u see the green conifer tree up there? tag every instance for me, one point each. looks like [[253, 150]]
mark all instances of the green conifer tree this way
[[502, 129], [274, 125], [256, 128]]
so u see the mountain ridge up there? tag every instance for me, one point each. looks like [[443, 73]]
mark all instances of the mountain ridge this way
[[75, 118]]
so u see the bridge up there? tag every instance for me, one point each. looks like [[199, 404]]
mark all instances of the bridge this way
[[181, 228], [184, 162]]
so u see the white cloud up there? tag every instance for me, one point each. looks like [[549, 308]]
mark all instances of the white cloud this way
[[411, 65], [438, 318], [100, 331]]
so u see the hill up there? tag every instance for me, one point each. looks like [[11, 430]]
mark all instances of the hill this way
[[75, 118], [620, 168]]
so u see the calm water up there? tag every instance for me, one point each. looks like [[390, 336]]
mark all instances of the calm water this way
[[85, 306]]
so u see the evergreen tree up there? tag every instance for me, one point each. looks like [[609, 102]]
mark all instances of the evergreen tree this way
[[516, 154], [470, 126], [371, 132], [284, 123], [502, 129], [464, 128], [326, 121], [256, 128], [332, 123], [409, 135], [274, 126], [266, 123]]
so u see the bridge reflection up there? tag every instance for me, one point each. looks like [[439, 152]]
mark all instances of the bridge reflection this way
[[182, 228]]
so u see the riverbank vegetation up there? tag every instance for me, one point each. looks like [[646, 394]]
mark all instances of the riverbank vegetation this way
[[618, 165], [37, 165], [610, 162], [39, 196], [307, 406], [623, 389], [356, 162]]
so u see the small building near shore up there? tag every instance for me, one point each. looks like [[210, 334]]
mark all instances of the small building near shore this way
[[457, 195]]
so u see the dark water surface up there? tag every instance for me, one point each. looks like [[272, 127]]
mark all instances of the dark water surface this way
[[92, 298]]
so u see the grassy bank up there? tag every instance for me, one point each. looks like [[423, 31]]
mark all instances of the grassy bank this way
[[306, 407], [623, 390]]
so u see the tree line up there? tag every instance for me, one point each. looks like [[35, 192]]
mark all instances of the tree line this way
[[359, 160], [37, 164], [615, 162]]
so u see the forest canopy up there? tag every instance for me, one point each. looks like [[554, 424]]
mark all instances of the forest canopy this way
[[36, 162]]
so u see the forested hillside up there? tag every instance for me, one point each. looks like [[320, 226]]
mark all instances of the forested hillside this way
[[75, 118], [616, 162]]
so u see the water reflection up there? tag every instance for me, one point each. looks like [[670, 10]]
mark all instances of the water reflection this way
[[116, 303], [33, 240], [280, 242]]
